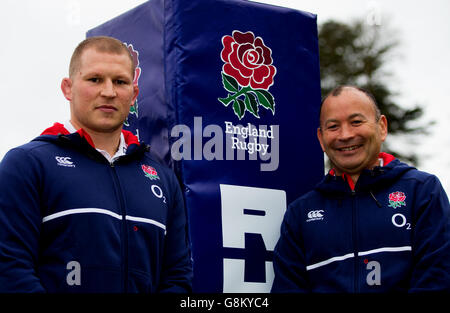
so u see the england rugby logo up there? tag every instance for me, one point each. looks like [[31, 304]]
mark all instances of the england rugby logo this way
[[137, 74], [397, 199], [150, 172], [247, 74]]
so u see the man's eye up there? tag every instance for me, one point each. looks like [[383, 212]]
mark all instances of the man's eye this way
[[94, 79], [356, 122], [332, 127], [120, 82]]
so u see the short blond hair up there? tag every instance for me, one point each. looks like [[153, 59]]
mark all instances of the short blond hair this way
[[101, 44]]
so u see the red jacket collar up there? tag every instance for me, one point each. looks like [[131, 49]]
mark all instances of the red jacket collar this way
[[59, 129], [55, 130], [386, 157]]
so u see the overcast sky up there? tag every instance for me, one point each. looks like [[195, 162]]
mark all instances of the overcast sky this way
[[38, 38]]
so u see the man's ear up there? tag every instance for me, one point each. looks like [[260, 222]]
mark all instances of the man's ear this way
[[383, 127], [66, 87], [319, 136], [136, 93]]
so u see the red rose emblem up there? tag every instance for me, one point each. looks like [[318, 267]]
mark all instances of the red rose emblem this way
[[248, 60], [150, 172], [135, 56], [397, 196], [137, 74], [397, 199], [247, 73]]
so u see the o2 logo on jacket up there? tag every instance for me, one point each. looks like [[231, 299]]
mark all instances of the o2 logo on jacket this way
[[247, 73], [251, 220], [151, 173]]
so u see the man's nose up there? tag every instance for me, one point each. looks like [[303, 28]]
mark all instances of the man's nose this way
[[108, 89], [346, 132]]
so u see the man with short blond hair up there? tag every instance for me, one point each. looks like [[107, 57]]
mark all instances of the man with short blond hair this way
[[101, 44], [84, 207]]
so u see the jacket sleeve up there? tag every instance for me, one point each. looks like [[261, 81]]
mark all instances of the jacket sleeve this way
[[288, 258], [177, 273], [431, 239], [20, 222]]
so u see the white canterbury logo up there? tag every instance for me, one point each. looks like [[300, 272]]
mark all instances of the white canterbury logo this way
[[315, 215], [64, 161]]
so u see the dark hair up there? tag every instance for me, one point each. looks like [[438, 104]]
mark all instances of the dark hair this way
[[101, 44], [338, 90]]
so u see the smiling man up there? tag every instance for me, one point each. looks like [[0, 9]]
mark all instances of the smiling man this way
[[84, 207], [373, 224], [351, 131]]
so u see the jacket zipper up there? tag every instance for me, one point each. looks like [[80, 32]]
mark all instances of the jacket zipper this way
[[124, 236], [352, 186], [355, 241]]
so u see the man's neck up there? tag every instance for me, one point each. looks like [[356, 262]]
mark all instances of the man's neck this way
[[108, 142], [355, 176]]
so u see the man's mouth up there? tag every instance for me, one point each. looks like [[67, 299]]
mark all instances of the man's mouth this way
[[351, 148], [106, 108]]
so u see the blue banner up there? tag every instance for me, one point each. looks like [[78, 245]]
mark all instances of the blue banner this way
[[229, 98]]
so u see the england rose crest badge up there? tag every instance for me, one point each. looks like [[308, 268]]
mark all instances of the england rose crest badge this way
[[150, 172], [247, 74], [134, 110], [397, 199]]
